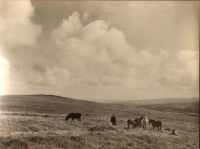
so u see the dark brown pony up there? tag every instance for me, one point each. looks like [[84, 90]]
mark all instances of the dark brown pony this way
[[135, 123], [131, 122], [73, 116], [113, 120], [157, 124]]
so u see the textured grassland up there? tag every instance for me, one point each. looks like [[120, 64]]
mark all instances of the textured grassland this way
[[38, 122]]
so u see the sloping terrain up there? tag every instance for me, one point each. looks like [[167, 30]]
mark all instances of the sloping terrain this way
[[38, 122]]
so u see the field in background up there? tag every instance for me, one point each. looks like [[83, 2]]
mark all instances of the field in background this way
[[38, 122]]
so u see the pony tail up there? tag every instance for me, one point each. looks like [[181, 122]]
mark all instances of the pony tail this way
[[160, 126]]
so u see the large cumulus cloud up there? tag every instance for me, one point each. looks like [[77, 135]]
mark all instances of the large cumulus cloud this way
[[4, 71], [16, 28], [16, 31], [98, 54], [93, 52], [84, 57]]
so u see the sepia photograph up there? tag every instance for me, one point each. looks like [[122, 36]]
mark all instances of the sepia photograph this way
[[99, 74]]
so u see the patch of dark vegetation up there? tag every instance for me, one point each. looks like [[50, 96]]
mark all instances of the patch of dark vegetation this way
[[57, 141], [15, 143], [168, 129], [36, 139], [75, 138], [130, 144], [101, 128], [148, 139]]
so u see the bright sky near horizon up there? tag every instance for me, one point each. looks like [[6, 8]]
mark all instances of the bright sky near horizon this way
[[100, 50]]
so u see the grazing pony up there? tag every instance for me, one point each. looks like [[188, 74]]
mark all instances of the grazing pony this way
[[131, 122], [157, 124], [73, 116], [136, 122], [144, 122], [113, 120]]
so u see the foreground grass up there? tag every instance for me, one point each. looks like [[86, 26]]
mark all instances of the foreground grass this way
[[37, 122], [34, 130]]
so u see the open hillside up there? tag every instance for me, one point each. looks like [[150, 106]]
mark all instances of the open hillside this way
[[37, 121]]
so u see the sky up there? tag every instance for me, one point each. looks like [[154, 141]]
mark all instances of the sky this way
[[100, 50]]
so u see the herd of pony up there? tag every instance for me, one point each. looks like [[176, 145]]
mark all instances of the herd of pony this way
[[143, 121], [137, 122]]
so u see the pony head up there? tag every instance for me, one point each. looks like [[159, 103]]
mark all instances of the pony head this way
[[67, 117], [145, 118], [150, 121]]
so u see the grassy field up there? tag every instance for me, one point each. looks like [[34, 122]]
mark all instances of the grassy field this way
[[37, 122]]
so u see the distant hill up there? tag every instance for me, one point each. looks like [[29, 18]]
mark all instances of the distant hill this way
[[53, 104], [161, 101]]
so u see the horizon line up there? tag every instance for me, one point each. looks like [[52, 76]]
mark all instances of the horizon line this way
[[100, 100]]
